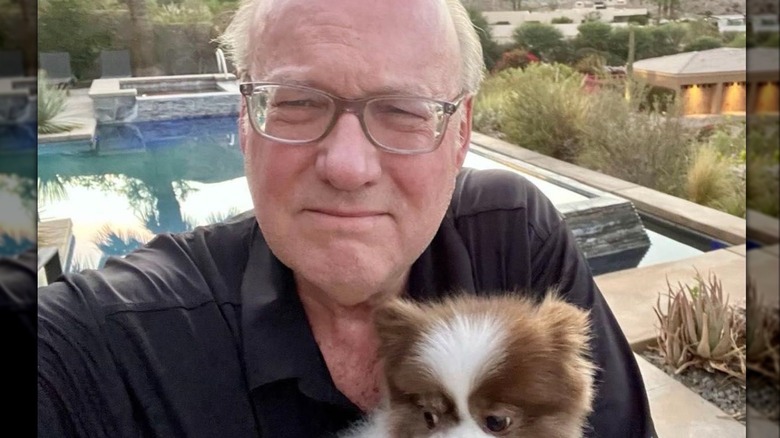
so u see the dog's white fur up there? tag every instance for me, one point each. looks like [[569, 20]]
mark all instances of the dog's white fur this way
[[464, 341]]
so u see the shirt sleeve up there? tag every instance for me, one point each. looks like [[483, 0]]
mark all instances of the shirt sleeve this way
[[80, 392], [621, 408]]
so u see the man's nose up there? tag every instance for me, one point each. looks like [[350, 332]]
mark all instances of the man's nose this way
[[347, 159]]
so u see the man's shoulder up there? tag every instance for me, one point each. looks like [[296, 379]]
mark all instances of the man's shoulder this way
[[182, 269], [496, 191]]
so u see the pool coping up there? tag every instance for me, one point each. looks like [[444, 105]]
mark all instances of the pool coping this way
[[706, 220], [632, 293]]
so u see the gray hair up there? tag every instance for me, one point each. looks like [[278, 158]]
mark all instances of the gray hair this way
[[236, 40]]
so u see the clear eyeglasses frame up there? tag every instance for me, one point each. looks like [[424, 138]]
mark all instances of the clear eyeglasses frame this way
[[397, 124]]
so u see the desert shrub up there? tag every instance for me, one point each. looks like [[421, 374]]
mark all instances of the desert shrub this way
[[647, 148], [545, 110], [543, 40], [187, 12], [763, 166], [515, 58], [700, 328], [561, 20], [641, 20], [703, 43], [490, 102], [738, 41], [711, 181], [593, 35], [762, 334]]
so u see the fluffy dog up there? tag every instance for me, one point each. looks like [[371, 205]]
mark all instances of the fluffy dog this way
[[503, 366]]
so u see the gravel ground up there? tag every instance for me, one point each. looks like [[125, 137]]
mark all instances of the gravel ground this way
[[725, 392], [764, 397]]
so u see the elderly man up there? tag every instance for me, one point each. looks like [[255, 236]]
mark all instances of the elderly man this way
[[355, 123]]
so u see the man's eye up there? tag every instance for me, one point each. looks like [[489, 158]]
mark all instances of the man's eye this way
[[409, 111], [297, 103], [495, 423]]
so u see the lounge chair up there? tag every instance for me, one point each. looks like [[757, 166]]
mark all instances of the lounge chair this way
[[11, 64], [57, 67], [115, 64]]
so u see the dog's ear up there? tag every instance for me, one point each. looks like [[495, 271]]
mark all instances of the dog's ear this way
[[568, 324], [398, 324]]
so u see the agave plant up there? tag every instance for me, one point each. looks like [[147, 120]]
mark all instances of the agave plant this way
[[701, 328], [51, 103], [671, 342], [762, 335]]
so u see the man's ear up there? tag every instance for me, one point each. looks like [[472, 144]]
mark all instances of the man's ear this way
[[243, 124], [464, 130]]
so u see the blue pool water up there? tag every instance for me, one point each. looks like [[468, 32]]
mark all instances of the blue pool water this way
[[142, 179], [171, 176], [17, 188]]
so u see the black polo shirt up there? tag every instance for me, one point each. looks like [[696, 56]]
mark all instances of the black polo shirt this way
[[202, 334]]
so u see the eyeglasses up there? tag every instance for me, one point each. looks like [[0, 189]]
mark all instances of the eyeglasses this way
[[296, 114]]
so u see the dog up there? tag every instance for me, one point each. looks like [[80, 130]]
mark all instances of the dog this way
[[474, 367]]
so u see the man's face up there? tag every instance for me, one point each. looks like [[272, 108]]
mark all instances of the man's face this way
[[346, 217]]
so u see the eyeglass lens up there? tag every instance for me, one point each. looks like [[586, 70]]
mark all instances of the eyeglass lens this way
[[302, 115]]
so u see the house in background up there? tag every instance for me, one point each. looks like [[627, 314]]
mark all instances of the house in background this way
[[503, 23], [730, 23], [716, 81]]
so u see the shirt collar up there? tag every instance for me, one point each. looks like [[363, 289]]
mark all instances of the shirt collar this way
[[277, 340]]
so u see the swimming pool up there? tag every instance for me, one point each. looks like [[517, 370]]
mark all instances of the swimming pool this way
[[17, 188], [171, 176]]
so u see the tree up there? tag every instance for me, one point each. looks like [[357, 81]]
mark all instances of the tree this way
[[142, 40], [73, 26], [490, 50], [516, 4], [664, 41], [543, 40], [593, 35]]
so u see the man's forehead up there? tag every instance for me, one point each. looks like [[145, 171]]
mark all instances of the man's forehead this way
[[285, 19], [354, 48]]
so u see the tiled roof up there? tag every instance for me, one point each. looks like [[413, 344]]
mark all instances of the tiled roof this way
[[721, 60], [763, 59]]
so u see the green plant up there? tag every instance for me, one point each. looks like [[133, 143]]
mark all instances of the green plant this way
[[489, 104], [703, 43], [700, 328], [188, 12], [649, 148], [561, 20], [712, 181], [544, 40], [545, 109], [51, 104], [763, 166], [80, 27]]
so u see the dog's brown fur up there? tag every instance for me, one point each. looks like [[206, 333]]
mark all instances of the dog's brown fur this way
[[544, 384]]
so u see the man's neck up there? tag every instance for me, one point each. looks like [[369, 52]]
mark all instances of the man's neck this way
[[347, 341], [327, 313]]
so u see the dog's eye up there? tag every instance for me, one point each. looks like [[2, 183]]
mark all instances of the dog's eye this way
[[431, 419], [494, 423]]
